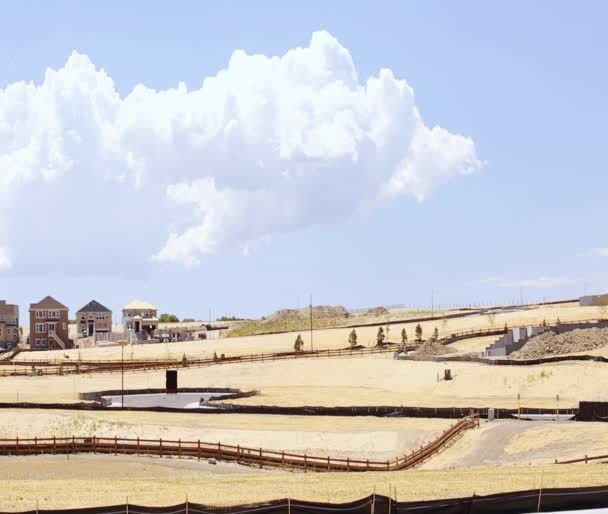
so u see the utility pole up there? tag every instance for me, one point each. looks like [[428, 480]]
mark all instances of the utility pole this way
[[311, 346], [122, 375]]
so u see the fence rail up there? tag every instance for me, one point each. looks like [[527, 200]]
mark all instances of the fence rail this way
[[584, 459], [225, 452], [61, 367]]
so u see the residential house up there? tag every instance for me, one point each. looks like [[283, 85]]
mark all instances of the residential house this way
[[9, 325], [93, 318], [141, 319], [49, 325]]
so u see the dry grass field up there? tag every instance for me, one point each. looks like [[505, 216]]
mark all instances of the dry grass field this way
[[358, 437], [370, 380], [153, 481]]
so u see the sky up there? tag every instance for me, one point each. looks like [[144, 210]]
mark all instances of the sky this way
[[238, 157]]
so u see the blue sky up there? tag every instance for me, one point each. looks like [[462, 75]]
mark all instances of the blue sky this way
[[526, 82]]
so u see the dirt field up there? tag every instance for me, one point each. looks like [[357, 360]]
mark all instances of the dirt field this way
[[359, 437], [153, 481], [369, 380], [323, 339], [509, 443]]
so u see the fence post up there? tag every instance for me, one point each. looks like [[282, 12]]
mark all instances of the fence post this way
[[304, 463], [347, 463], [138, 446], [161, 446], [238, 453], [179, 448], [54, 444], [260, 457], [115, 445]]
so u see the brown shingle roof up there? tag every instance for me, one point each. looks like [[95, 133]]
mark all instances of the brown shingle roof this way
[[48, 303]]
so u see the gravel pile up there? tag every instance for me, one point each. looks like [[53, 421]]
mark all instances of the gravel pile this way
[[550, 343], [430, 349]]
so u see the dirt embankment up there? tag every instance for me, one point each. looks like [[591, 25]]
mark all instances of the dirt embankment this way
[[318, 311], [430, 349], [550, 343]]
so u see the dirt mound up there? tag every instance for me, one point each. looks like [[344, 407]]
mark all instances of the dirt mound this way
[[550, 343], [318, 311], [377, 311], [430, 349]]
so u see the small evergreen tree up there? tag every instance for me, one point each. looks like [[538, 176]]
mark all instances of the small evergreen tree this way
[[299, 344], [418, 333], [352, 338], [435, 334], [380, 337], [184, 360], [215, 358], [404, 336]]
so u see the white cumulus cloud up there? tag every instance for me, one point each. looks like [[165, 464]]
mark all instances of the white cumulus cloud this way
[[268, 145]]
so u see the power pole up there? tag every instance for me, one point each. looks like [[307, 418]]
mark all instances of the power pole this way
[[311, 346]]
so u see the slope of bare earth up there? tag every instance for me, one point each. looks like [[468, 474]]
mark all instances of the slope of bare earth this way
[[108, 480], [550, 343], [513, 442], [378, 380], [360, 437], [322, 339]]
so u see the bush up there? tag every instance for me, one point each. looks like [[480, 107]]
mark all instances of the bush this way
[[168, 318], [352, 338]]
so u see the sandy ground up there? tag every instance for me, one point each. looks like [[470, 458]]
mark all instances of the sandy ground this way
[[152, 481], [370, 380], [323, 339], [360, 437], [508, 443], [473, 345]]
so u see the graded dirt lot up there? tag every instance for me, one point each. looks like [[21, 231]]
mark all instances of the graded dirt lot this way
[[369, 380], [513, 442], [356, 437], [109, 480]]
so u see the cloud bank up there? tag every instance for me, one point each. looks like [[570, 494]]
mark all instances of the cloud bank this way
[[267, 146]]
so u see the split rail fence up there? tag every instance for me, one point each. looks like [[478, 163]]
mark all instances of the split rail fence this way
[[225, 452], [55, 367]]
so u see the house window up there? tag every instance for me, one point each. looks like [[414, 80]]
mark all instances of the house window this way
[[82, 317], [40, 314], [40, 342], [146, 314], [53, 314], [40, 328], [1, 317], [65, 325]]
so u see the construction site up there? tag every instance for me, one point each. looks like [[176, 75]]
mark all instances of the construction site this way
[[464, 402]]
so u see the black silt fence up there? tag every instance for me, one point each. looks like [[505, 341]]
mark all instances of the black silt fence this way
[[521, 502]]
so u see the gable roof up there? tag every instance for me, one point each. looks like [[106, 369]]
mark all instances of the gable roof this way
[[48, 303], [94, 306], [140, 304]]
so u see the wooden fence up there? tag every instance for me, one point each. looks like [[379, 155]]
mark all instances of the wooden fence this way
[[584, 459], [225, 452], [63, 367]]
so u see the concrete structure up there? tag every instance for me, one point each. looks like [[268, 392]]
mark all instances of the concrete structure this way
[[93, 318], [513, 340], [599, 300], [49, 325], [516, 338], [9, 325], [141, 319]]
